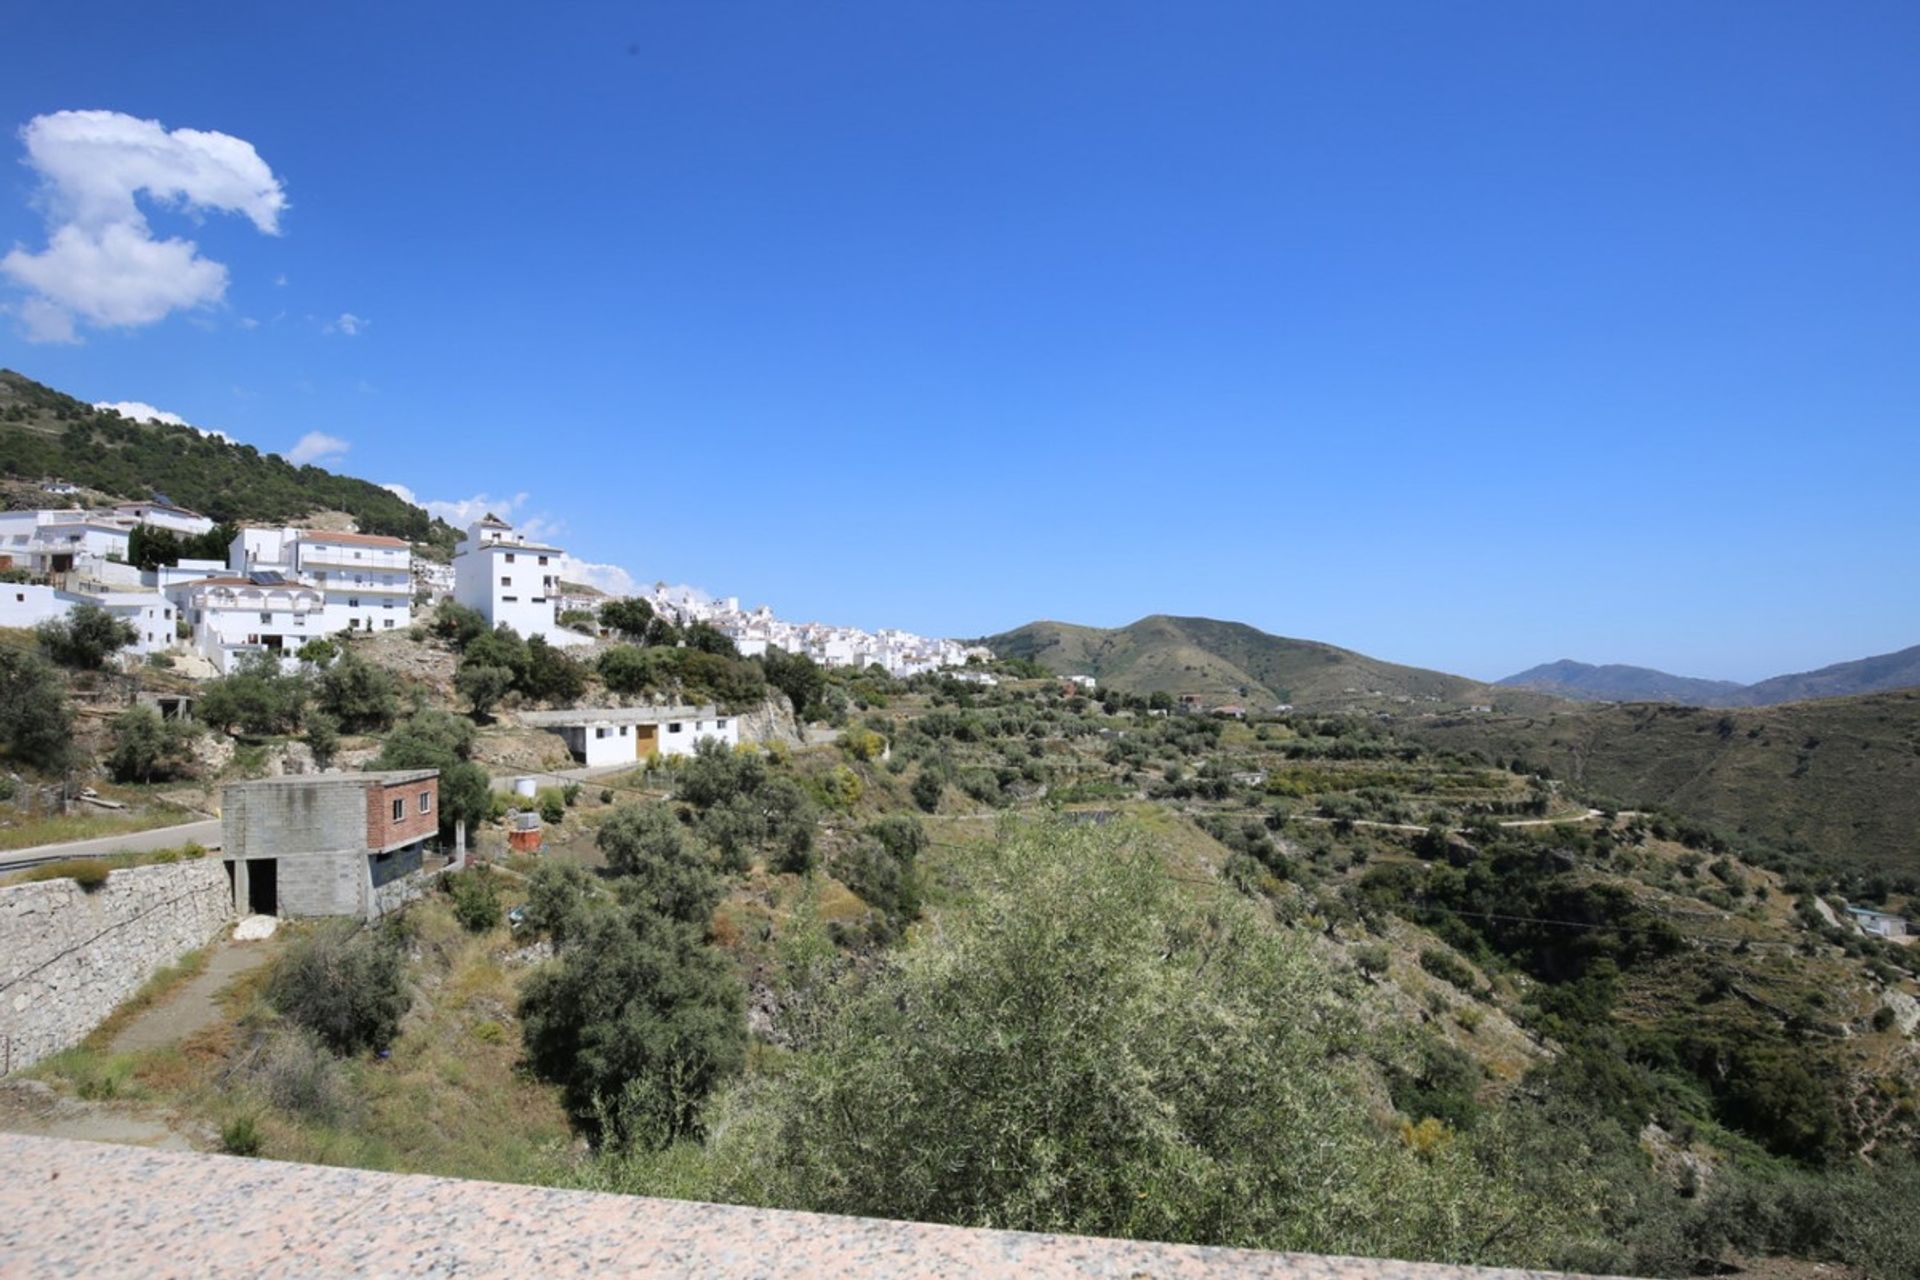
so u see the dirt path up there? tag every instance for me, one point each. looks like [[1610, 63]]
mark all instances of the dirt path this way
[[192, 1008]]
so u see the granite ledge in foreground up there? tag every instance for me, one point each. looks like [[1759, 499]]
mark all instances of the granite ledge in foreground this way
[[89, 1209]]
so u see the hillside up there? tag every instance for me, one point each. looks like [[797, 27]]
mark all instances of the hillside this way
[[45, 435], [1616, 683], [1838, 778], [1878, 674], [1227, 662]]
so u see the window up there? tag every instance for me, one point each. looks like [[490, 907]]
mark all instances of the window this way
[[543, 559], [509, 599], [399, 808], [426, 802], [600, 733], [509, 557], [389, 624], [674, 727], [506, 579], [719, 724], [266, 617]]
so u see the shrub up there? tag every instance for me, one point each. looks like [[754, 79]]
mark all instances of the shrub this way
[[86, 637], [297, 1075], [638, 1021], [1447, 966], [476, 900], [345, 984], [927, 789], [149, 749], [1091, 1051], [88, 873], [36, 723], [559, 895], [240, 1136], [661, 869]]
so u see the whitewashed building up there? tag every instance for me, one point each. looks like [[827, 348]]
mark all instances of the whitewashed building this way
[[366, 579], [234, 616], [624, 735], [511, 581], [152, 615], [160, 514]]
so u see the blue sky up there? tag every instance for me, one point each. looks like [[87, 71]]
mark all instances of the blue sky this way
[[1464, 335]]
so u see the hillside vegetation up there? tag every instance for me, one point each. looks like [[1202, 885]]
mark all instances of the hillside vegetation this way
[[1230, 662], [47, 435], [1837, 779]]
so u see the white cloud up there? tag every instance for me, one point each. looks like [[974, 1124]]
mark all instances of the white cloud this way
[[315, 446], [461, 512], [610, 578], [248, 322], [102, 265], [348, 325], [141, 411]]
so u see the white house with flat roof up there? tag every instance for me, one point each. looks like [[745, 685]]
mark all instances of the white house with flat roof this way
[[624, 735], [164, 515], [367, 579], [511, 581], [233, 616], [150, 614]]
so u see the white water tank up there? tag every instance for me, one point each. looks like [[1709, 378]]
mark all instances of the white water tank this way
[[524, 787]]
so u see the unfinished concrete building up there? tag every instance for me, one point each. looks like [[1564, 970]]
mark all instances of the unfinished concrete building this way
[[329, 844]]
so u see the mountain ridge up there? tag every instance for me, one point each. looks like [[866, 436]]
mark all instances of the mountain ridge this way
[[1616, 682], [1232, 662]]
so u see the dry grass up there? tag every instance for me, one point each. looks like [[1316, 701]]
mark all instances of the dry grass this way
[[25, 833]]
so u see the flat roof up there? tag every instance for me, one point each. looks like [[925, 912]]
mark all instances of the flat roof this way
[[385, 777], [612, 715], [352, 539]]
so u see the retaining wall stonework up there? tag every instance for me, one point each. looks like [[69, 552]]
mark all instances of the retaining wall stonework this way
[[68, 957]]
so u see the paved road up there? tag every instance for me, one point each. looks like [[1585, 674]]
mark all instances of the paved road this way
[[205, 832]]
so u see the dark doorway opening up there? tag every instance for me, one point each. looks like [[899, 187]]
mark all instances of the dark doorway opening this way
[[263, 886]]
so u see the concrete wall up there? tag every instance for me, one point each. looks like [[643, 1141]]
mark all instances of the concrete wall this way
[[68, 958], [316, 815]]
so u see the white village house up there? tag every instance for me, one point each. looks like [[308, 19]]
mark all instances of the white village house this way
[[623, 735], [511, 581]]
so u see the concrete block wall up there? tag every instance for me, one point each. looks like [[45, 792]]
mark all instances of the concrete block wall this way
[[68, 957], [314, 813], [325, 884]]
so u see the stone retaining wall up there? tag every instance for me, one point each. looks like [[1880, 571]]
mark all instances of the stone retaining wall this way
[[68, 957]]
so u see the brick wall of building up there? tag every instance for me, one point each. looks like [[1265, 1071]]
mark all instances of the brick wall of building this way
[[383, 832]]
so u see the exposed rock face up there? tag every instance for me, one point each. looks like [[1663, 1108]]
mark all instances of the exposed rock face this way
[[1906, 1010], [772, 721]]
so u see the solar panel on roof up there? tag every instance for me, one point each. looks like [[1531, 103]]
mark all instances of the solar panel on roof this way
[[269, 578]]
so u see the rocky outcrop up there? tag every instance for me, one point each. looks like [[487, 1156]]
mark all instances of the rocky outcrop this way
[[770, 722]]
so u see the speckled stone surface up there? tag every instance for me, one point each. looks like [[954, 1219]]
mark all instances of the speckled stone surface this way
[[87, 1209]]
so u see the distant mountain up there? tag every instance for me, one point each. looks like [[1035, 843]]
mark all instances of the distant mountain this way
[[1613, 683], [1230, 662], [1880, 674], [46, 435]]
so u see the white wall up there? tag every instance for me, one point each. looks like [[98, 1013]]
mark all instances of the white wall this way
[[679, 737], [150, 613], [511, 583]]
